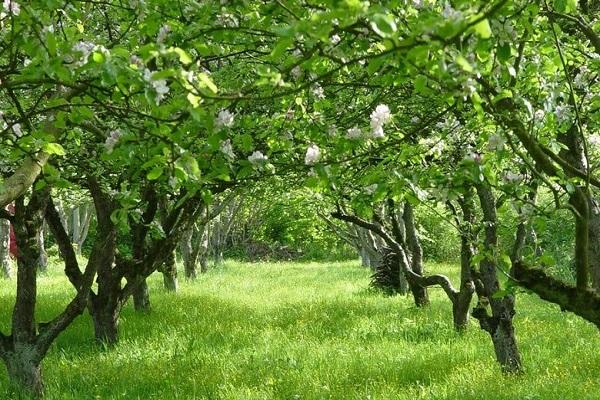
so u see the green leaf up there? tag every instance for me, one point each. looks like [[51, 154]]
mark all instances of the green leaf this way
[[463, 63], [503, 52], [207, 82], [383, 25], [483, 29], [505, 94], [194, 100], [184, 57], [98, 57], [54, 148], [154, 174], [421, 84]]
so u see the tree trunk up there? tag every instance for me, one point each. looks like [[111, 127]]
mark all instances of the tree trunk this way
[[24, 370], [414, 246], [461, 306], [21, 355], [462, 302], [42, 261], [203, 263], [187, 254], [141, 297], [105, 305], [106, 324], [5, 260], [169, 271], [499, 324], [594, 241]]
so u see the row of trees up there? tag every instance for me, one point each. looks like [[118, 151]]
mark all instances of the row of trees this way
[[154, 110]]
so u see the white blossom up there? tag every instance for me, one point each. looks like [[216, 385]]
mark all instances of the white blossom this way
[[539, 115], [257, 158], [377, 132], [332, 131], [161, 88], [354, 133], [415, 120], [512, 177], [595, 140], [137, 61], [159, 85], [496, 143], [224, 118], [451, 13], [162, 33], [112, 140], [17, 130], [335, 39], [11, 7], [371, 188], [85, 48], [313, 154], [563, 113], [318, 92], [380, 117], [581, 79], [227, 149], [473, 157], [296, 72]]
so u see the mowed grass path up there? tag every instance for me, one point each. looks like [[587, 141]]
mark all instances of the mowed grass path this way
[[307, 331]]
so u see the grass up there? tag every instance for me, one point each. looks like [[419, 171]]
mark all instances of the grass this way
[[307, 331]]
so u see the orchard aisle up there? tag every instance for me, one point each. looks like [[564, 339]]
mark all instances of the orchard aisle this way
[[307, 331]]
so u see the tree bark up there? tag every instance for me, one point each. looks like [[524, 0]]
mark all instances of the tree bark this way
[[42, 261], [416, 252], [106, 322], [499, 324], [186, 247], [5, 260], [169, 271], [105, 305], [24, 370], [141, 297]]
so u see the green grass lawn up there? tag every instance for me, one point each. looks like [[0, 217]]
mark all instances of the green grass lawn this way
[[307, 331]]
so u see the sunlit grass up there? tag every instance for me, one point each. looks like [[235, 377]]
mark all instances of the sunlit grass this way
[[307, 331]]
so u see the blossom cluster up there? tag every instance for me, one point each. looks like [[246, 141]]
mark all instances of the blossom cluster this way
[[159, 85]]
